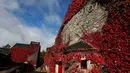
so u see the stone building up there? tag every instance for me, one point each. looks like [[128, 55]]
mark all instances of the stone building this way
[[86, 16], [90, 16]]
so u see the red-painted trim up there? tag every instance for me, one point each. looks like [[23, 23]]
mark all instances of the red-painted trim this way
[[59, 68]]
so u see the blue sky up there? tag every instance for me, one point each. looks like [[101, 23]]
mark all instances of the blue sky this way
[[38, 12], [31, 20]]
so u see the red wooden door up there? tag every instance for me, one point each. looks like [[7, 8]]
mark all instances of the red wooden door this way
[[60, 69]]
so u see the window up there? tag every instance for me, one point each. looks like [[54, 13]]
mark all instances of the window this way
[[59, 62], [83, 64]]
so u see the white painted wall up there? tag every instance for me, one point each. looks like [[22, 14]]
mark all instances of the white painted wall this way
[[56, 68]]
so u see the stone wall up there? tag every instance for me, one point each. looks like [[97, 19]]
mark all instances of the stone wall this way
[[91, 17]]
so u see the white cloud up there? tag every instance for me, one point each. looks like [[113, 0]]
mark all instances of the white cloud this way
[[27, 2], [13, 31], [10, 4], [51, 5], [51, 16], [52, 19]]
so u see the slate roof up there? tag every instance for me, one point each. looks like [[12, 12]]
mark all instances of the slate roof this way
[[33, 42], [20, 45], [80, 44]]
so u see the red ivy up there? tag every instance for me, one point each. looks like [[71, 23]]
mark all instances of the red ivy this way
[[31, 62], [21, 55], [114, 40], [112, 43], [74, 7]]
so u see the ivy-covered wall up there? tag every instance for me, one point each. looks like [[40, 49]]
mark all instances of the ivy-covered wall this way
[[105, 26], [92, 16]]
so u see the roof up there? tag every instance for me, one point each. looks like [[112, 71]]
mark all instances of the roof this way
[[4, 50], [20, 45], [84, 47], [79, 44], [33, 42]]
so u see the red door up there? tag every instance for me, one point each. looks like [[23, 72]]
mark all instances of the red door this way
[[60, 69]]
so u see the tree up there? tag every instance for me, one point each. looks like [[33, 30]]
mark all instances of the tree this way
[[42, 54]]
